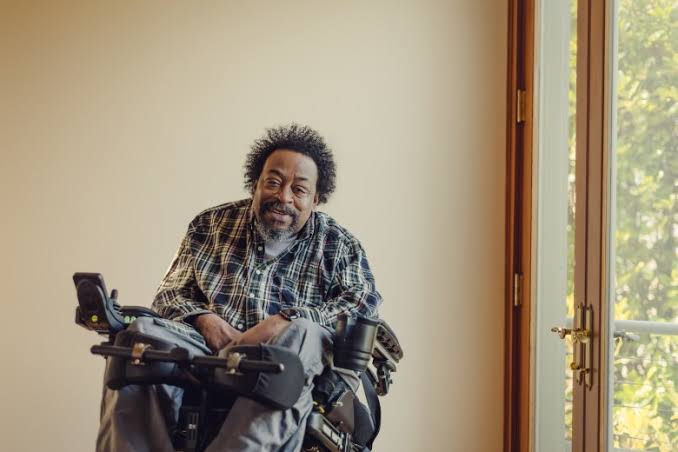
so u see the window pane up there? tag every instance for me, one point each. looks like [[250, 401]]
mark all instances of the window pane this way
[[554, 302], [644, 409], [571, 191]]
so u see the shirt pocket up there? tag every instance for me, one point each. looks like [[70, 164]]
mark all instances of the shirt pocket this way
[[303, 292]]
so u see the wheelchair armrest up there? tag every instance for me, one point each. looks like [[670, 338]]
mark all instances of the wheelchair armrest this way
[[112, 320], [137, 311]]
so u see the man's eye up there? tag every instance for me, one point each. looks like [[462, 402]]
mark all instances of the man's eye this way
[[300, 190], [272, 183]]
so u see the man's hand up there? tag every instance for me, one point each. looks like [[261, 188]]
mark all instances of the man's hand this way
[[263, 331], [216, 331]]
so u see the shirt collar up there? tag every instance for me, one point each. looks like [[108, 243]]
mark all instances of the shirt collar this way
[[309, 228]]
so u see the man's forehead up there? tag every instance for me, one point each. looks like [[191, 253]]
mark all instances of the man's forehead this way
[[285, 162]]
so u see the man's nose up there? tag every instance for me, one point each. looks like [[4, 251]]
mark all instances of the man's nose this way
[[285, 195]]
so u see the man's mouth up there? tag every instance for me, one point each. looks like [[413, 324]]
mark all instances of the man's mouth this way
[[279, 215], [279, 212]]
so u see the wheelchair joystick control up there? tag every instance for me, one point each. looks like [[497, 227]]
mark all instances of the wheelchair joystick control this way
[[96, 310]]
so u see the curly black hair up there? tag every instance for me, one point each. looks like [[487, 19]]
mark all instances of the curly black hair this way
[[297, 138]]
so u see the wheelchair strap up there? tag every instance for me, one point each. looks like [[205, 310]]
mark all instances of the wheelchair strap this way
[[374, 405]]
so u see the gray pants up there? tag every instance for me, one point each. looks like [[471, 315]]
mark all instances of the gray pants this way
[[139, 418]]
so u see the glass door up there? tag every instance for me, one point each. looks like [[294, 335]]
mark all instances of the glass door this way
[[642, 403], [554, 224], [605, 330]]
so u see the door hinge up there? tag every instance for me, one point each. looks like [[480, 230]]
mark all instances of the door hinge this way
[[520, 106], [517, 288]]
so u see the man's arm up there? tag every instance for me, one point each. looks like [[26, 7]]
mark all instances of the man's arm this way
[[352, 290], [179, 298], [263, 331]]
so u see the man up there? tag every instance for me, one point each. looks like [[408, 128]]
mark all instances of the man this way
[[266, 269]]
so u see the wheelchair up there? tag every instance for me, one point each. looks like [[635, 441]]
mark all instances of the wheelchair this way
[[339, 422]]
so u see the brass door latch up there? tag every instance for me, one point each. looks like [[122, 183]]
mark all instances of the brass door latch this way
[[578, 335], [581, 343]]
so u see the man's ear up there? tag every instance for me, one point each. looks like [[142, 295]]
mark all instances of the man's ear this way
[[316, 200]]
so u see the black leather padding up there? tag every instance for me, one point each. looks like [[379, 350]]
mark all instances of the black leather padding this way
[[284, 389], [363, 429], [277, 390], [121, 372]]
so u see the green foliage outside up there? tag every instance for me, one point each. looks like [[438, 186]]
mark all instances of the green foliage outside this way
[[646, 237], [645, 413]]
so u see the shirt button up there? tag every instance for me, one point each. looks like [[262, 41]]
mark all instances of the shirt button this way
[[252, 294], [258, 272], [260, 248], [240, 326]]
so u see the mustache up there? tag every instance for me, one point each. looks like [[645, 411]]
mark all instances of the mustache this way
[[277, 205]]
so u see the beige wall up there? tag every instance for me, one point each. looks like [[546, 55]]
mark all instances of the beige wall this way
[[121, 120]]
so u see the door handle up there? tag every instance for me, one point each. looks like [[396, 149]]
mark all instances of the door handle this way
[[581, 336], [562, 332]]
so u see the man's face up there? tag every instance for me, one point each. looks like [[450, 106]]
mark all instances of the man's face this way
[[285, 194]]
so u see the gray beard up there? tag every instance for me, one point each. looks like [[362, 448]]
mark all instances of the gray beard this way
[[273, 235]]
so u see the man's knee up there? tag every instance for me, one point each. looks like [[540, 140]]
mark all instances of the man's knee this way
[[309, 331], [306, 325], [144, 325], [174, 332], [311, 341]]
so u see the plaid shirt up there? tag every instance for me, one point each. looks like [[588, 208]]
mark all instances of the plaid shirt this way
[[220, 268]]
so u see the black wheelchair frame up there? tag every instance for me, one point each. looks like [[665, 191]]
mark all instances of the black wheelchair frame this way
[[212, 383]]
